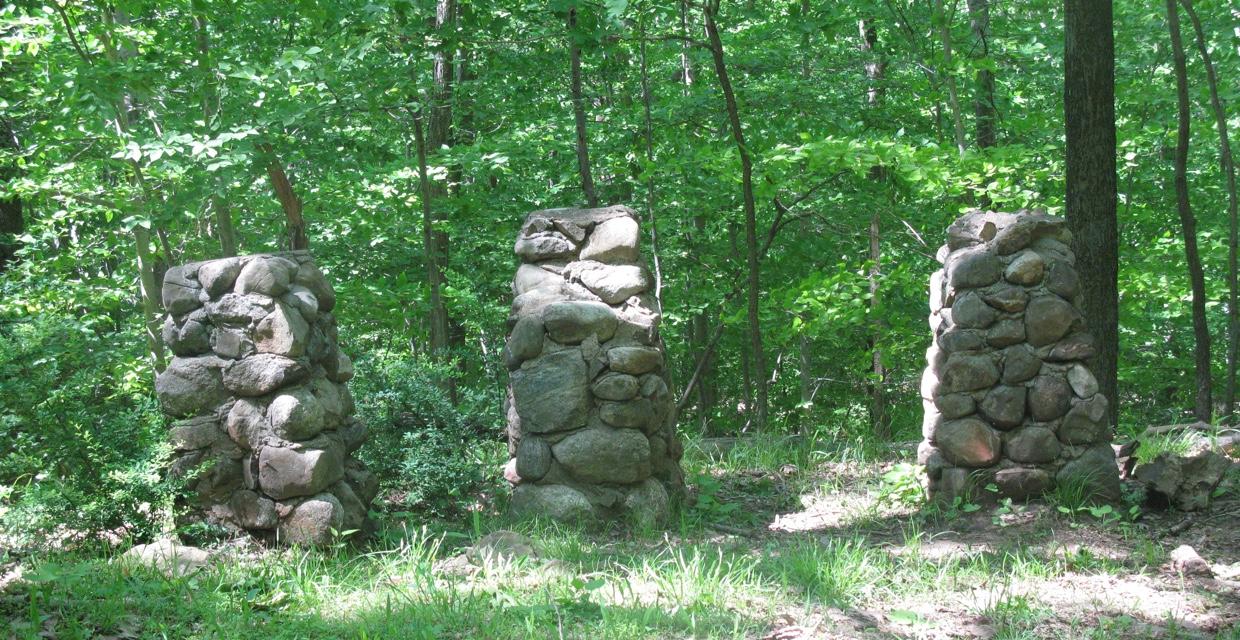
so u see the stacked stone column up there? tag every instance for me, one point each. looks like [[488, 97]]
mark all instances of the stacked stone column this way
[[591, 419], [1008, 399], [264, 426]]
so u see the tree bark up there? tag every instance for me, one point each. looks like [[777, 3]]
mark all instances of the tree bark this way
[[949, 76], [438, 337], [438, 134], [1228, 165], [984, 99], [210, 108], [751, 238], [880, 417], [1090, 202], [295, 223], [1203, 407], [579, 111], [12, 223]]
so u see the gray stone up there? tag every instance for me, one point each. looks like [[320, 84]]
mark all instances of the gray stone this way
[[191, 386], [543, 246], [1062, 280], [266, 275], [1006, 333], [532, 276], [634, 360], [338, 367], [973, 267], [1004, 406], [631, 414], [1086, 423], [550, 393], [1026, 227], [614, 241], [262, 373], [194, 433], [647, 505], [1049, 398], [971, 312], [287, 472], [191, 337], [1021, 483], [1187, 482], [613, 283], [1047, 319], [555, 501], [313, 522], [1020, 363], [231, 343], [533, 458], [365, 484], [1083, 383], [955, 340], [218, 276], [247, 423], [1006, 298], [615, 386], [526, 341], [1055, 249], [296, 414], [303, 300], [955, 405], [253, 511], [535, 301], [603, 455], [353, 434], [1025, 269], [1078, 346], [179, 292], [974, 227], [282, 332], [310, 277], [1095, 470], [572, 322], [354, 511], [1034, 445], [953, 483], [235, 309], [571, 229], [1185, 561], [968, 443], [965, 372], [168, 557]]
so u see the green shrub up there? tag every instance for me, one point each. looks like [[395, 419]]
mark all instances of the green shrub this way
[[431, 456], [81, 435]]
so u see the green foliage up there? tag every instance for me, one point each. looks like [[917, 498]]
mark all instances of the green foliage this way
[[435, 457], [902, 486], [83, 439]]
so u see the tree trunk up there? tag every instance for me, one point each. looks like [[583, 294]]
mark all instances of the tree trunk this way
[[210, 107], [880, 418], [579, 111], [11, 221], [949, 76], [648, 121], [984, 98], [295, 224], [1090, 202], [1228, 165], [751, 235], [438, 134], [1203, 407]]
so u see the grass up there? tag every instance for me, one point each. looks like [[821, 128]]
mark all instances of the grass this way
[[691, 582]]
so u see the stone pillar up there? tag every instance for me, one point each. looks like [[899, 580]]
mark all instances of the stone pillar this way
[[264, 423], [591, 419], [1008, 399]]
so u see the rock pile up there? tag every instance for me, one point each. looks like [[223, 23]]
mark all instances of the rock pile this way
[[591, 419], [1007, 397], [264, 424]]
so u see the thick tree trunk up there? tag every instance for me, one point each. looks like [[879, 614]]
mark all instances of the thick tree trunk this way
[[1203, 407], [294, 222], [751, 235], [438, 134], [949, 77], [210, 108], [1228, 165], [1090, 202], [984, 96], [579, 112]]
